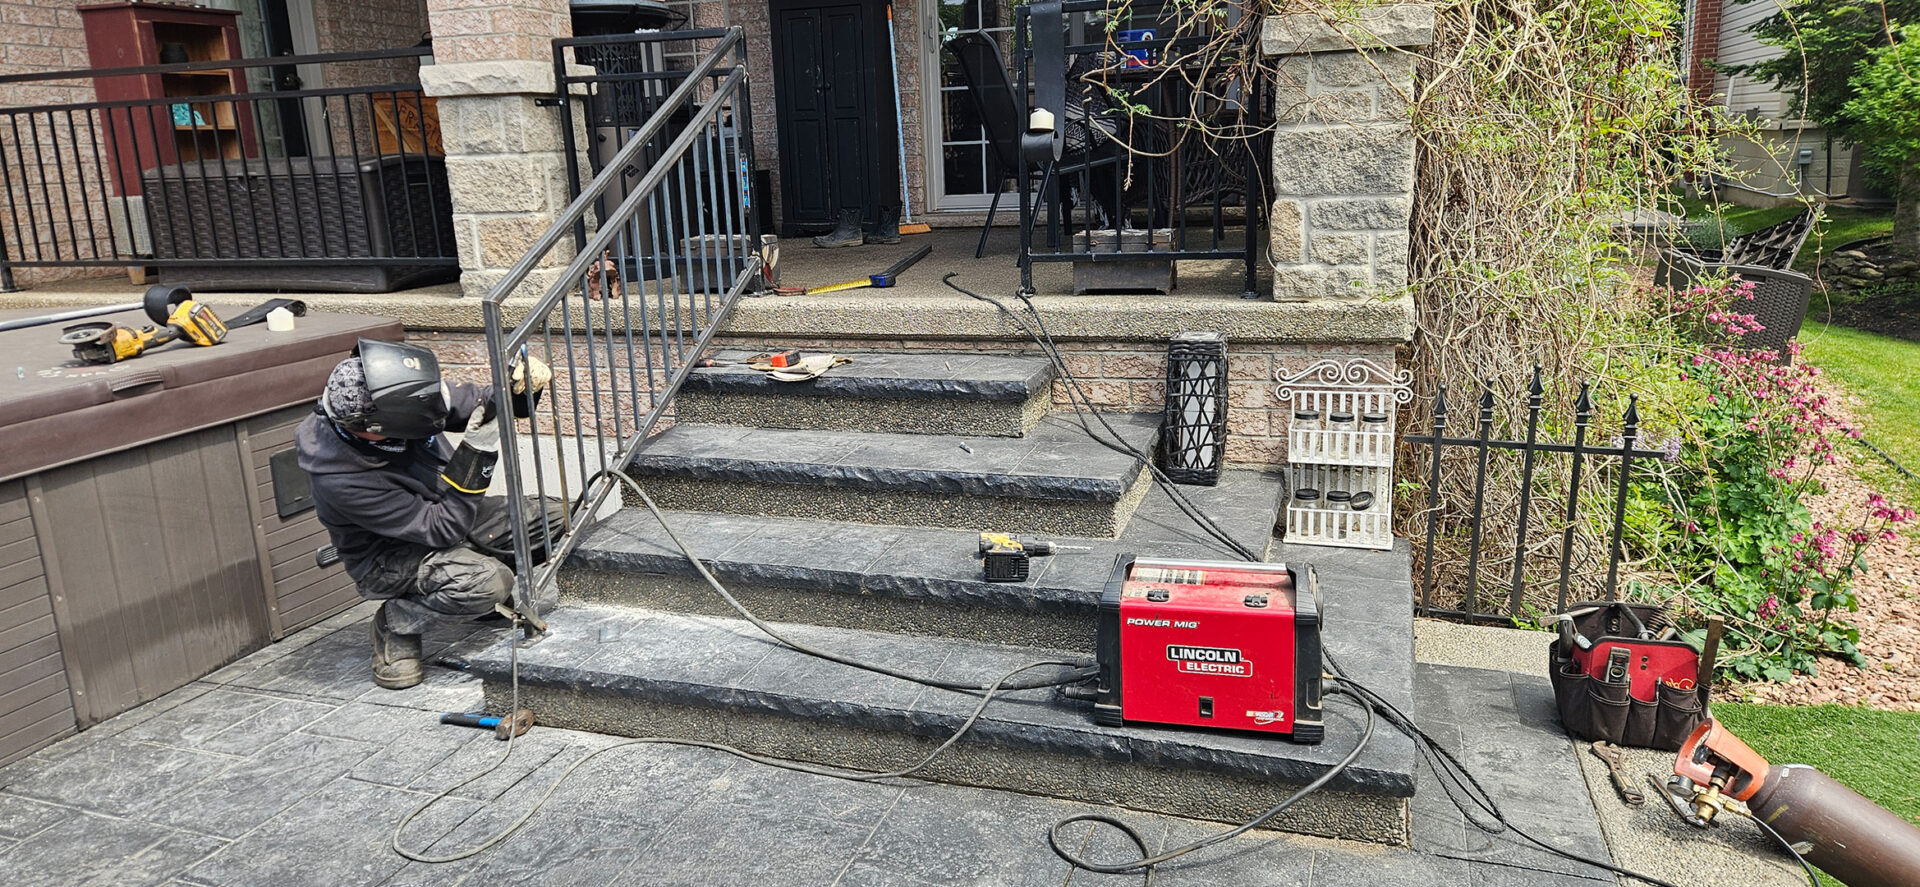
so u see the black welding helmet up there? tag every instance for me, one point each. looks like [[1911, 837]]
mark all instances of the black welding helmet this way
[[403, 398]]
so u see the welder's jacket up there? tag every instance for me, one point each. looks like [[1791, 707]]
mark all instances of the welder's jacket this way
[[385, 510]]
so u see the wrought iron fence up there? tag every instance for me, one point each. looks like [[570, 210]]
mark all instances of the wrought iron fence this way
[[1542, 564], [225, 172], [621, 315], [1186, 179]]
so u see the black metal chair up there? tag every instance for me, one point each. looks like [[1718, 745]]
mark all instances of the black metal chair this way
[[985, 71]]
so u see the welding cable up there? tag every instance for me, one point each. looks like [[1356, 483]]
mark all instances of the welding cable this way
[[1457, 771], [1813, 880], [1081, 670], [1077, 671], [989, 691], [1148, 862], [1083, 405]]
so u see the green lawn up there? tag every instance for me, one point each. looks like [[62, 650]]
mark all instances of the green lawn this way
[[1884, 373], [1876, 753]]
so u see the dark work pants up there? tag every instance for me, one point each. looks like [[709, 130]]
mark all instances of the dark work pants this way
[[456, 584]]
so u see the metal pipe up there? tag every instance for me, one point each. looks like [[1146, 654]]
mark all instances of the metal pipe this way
[[24, 322], [1851, 838]]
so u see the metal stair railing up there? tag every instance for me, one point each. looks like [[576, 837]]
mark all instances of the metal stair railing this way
[[623, 319]]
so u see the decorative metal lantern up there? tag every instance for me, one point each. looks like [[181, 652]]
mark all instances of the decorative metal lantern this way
[[1193, 432]]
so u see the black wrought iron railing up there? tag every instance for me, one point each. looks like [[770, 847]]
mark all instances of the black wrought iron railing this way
[[233, 166], [1556, 552], [1165, 136], [621, 313]]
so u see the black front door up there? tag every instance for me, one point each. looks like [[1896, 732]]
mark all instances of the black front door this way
[[834, 98]]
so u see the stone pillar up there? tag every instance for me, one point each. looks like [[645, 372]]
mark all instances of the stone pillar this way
[[1343, 152], [493, 60]]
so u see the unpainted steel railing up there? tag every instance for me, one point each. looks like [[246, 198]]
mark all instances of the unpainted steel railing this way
[[241, 175], [637, 299]]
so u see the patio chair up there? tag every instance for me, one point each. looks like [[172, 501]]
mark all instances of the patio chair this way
[[985, 71], [1764, 258]]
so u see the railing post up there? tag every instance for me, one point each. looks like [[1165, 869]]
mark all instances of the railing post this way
[[1629, 432], [1536, 394], [1479, 497], [1582, 417], [1433, 498]]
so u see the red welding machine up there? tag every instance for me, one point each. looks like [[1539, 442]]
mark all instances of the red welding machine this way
[[1224, 645]]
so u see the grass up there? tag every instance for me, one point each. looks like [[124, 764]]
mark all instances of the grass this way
[[1884, 374], [1875, 753]]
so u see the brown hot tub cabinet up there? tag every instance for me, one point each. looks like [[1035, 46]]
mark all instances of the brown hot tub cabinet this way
[[151, 522]]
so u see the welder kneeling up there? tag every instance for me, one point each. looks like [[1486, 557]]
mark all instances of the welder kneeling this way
[[400, 502]]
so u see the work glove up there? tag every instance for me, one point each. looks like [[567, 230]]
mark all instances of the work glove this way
[[530, 377], [470, 470]]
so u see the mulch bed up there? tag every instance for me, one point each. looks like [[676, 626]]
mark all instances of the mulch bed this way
[[1889, 597]]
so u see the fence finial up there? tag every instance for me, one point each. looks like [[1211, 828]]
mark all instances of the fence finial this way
[[1440, 408], [1486, 401], [1583, 407], [1632, 418], [1537, 390]]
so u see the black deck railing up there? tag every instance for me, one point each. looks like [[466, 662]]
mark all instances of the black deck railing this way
[[1546, 550], [620, 315], [227, 171], [1188, 178]]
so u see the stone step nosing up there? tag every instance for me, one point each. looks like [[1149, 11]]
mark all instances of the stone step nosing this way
[[917, 480], [1104, 745], [878, 388]]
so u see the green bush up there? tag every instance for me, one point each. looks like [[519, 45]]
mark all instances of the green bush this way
[[1722, 526]]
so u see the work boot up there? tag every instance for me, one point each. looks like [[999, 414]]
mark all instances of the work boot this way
[[846, 234], [396, 656], [888, 231]]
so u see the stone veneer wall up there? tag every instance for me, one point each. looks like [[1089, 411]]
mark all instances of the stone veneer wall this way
[[1343, 152], [1117, 376]]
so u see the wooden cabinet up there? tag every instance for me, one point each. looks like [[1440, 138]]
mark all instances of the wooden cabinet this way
[[155, 133]]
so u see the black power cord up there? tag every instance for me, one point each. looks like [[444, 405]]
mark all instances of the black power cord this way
[[1443, 762]]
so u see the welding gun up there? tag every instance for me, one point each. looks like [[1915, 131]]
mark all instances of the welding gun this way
[[176, 315], [1007, 556]]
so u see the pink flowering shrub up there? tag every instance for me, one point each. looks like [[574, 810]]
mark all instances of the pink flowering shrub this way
[[1750, 550]]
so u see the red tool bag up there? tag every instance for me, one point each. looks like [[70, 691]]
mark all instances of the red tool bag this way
[[1613, 682]]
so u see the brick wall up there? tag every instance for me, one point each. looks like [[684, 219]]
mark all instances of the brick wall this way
[[37, 37], [1117, 376], [361, 25]]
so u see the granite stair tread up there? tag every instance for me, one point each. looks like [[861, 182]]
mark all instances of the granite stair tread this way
[[1057, 461], [707, 662], [926, 563], [956, 376]]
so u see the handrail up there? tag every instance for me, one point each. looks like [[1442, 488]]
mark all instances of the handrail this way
[[622, 321]]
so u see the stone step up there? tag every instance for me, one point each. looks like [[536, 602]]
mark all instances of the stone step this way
[[911, 580], [636, 672], [921, 393], [1054, 480]]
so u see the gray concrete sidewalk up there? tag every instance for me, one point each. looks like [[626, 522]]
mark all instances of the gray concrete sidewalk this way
[[289, 767]]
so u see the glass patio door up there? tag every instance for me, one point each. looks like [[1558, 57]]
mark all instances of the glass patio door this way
[[961, 173]]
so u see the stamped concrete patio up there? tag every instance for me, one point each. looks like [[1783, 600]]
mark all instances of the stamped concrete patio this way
[[288, 767]]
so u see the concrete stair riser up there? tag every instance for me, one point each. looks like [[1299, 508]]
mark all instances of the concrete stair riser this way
[[1063, 517], [1188, 793]]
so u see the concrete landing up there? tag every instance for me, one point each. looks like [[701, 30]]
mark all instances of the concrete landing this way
[[290, 768]]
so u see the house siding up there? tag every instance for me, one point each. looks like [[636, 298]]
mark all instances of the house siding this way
[[1770, 163]]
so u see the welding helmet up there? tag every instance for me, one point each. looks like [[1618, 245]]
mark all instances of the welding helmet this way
[[403, 395]]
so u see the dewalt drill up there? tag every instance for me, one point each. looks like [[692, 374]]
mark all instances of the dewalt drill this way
[[1007, 556], [175, 314]]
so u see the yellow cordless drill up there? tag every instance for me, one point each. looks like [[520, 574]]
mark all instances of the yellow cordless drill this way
[[1006, 556], [176, 315]]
